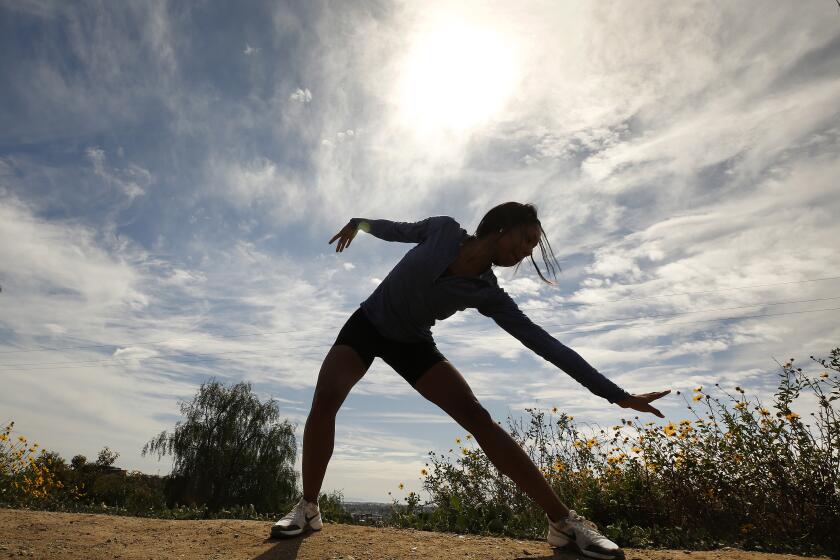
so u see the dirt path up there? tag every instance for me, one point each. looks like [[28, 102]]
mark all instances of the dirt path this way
[[50, 535]]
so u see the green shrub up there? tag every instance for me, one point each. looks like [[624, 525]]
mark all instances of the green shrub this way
[[739, 472]]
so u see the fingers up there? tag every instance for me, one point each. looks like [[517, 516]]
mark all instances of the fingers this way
[[656, 395], [655, 411], [345, 237], [344, 243]]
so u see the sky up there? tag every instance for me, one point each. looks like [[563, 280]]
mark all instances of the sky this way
[[171, 173]]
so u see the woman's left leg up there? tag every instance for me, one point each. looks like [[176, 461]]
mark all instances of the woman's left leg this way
[[444, 385]]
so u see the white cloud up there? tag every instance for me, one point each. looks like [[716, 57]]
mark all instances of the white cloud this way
[[132, 181], [301, 95]]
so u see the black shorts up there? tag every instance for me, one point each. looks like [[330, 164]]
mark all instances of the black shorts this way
[[409, 359]]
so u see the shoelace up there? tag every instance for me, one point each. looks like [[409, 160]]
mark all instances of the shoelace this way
[[295, 512], [587, 527]]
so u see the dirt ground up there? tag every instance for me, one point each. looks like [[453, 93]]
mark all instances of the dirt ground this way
[[51, 535]]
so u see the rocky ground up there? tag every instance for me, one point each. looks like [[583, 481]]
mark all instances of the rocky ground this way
[[65, 536]]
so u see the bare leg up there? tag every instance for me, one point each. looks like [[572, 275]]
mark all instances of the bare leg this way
[[318, 443], [444, 385], [341, 370], [511, 460]]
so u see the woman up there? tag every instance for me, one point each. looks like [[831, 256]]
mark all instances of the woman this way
[[448, 271]]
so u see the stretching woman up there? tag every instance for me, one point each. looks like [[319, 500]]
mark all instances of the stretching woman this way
[[449, 271]]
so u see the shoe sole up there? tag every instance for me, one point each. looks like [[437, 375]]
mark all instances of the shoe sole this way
[[572, 546], [277, 533]]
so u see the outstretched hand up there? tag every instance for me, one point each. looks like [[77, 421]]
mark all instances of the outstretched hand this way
[[642, 402], [346, 235]]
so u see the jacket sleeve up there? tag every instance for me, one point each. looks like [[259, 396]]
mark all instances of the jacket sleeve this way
[[404, 232], [503, 310]]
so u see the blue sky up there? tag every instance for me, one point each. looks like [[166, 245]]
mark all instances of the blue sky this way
[[170, 174]]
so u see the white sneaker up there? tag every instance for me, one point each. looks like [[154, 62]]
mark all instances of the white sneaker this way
[[304, 514], [578, 533]]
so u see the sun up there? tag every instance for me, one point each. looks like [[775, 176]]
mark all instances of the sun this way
[[455, 77]]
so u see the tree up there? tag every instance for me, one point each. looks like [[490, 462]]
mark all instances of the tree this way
[[106, 457], [229, 450], [78, 462]]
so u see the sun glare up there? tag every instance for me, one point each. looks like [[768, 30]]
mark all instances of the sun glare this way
[[456, 77]]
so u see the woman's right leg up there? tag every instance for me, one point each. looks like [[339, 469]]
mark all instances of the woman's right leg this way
[[341, 370]]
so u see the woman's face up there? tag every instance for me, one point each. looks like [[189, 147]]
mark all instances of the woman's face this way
[[516, 244]]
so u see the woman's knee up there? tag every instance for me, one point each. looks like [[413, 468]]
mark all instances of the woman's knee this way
[[444, 386], [478, 420], [341, 370]]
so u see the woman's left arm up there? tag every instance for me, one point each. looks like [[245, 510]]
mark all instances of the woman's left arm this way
[[500, 307], [503, 310]]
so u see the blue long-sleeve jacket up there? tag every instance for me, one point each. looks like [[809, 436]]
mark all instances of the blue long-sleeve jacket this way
[[413, 297]]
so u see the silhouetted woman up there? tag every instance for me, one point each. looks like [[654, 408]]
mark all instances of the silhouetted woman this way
[[446, 272]]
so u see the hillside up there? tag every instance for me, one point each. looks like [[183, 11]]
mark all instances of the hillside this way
[[67, 536]]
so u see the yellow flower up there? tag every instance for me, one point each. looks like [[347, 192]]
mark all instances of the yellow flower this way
[[458, 440], [590, 443], [578, 444], [554, 410], [670, 429], [469, 436], [764, 412], [424, 472], [402, 486], [685, 422], [698, 389], [559, 466], [616, 458], [824, 375], [697, 397], [571, 417], [741, 405], [21, 439], [636, 449], [791, 416]]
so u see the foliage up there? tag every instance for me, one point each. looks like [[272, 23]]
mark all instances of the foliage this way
[[25, 476], [48, 482], [229, 450], [736, 474]]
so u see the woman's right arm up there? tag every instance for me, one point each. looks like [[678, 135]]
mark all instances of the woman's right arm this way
[[404, 232]]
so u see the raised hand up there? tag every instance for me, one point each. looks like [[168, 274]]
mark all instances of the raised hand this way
[[641, 402], [346, 235]]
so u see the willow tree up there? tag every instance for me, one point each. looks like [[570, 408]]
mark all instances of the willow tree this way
[[229, 450]]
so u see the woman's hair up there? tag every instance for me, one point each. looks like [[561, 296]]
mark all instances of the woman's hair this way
[[513, 214]]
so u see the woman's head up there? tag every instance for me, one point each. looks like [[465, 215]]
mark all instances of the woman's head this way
[[516, 231]]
